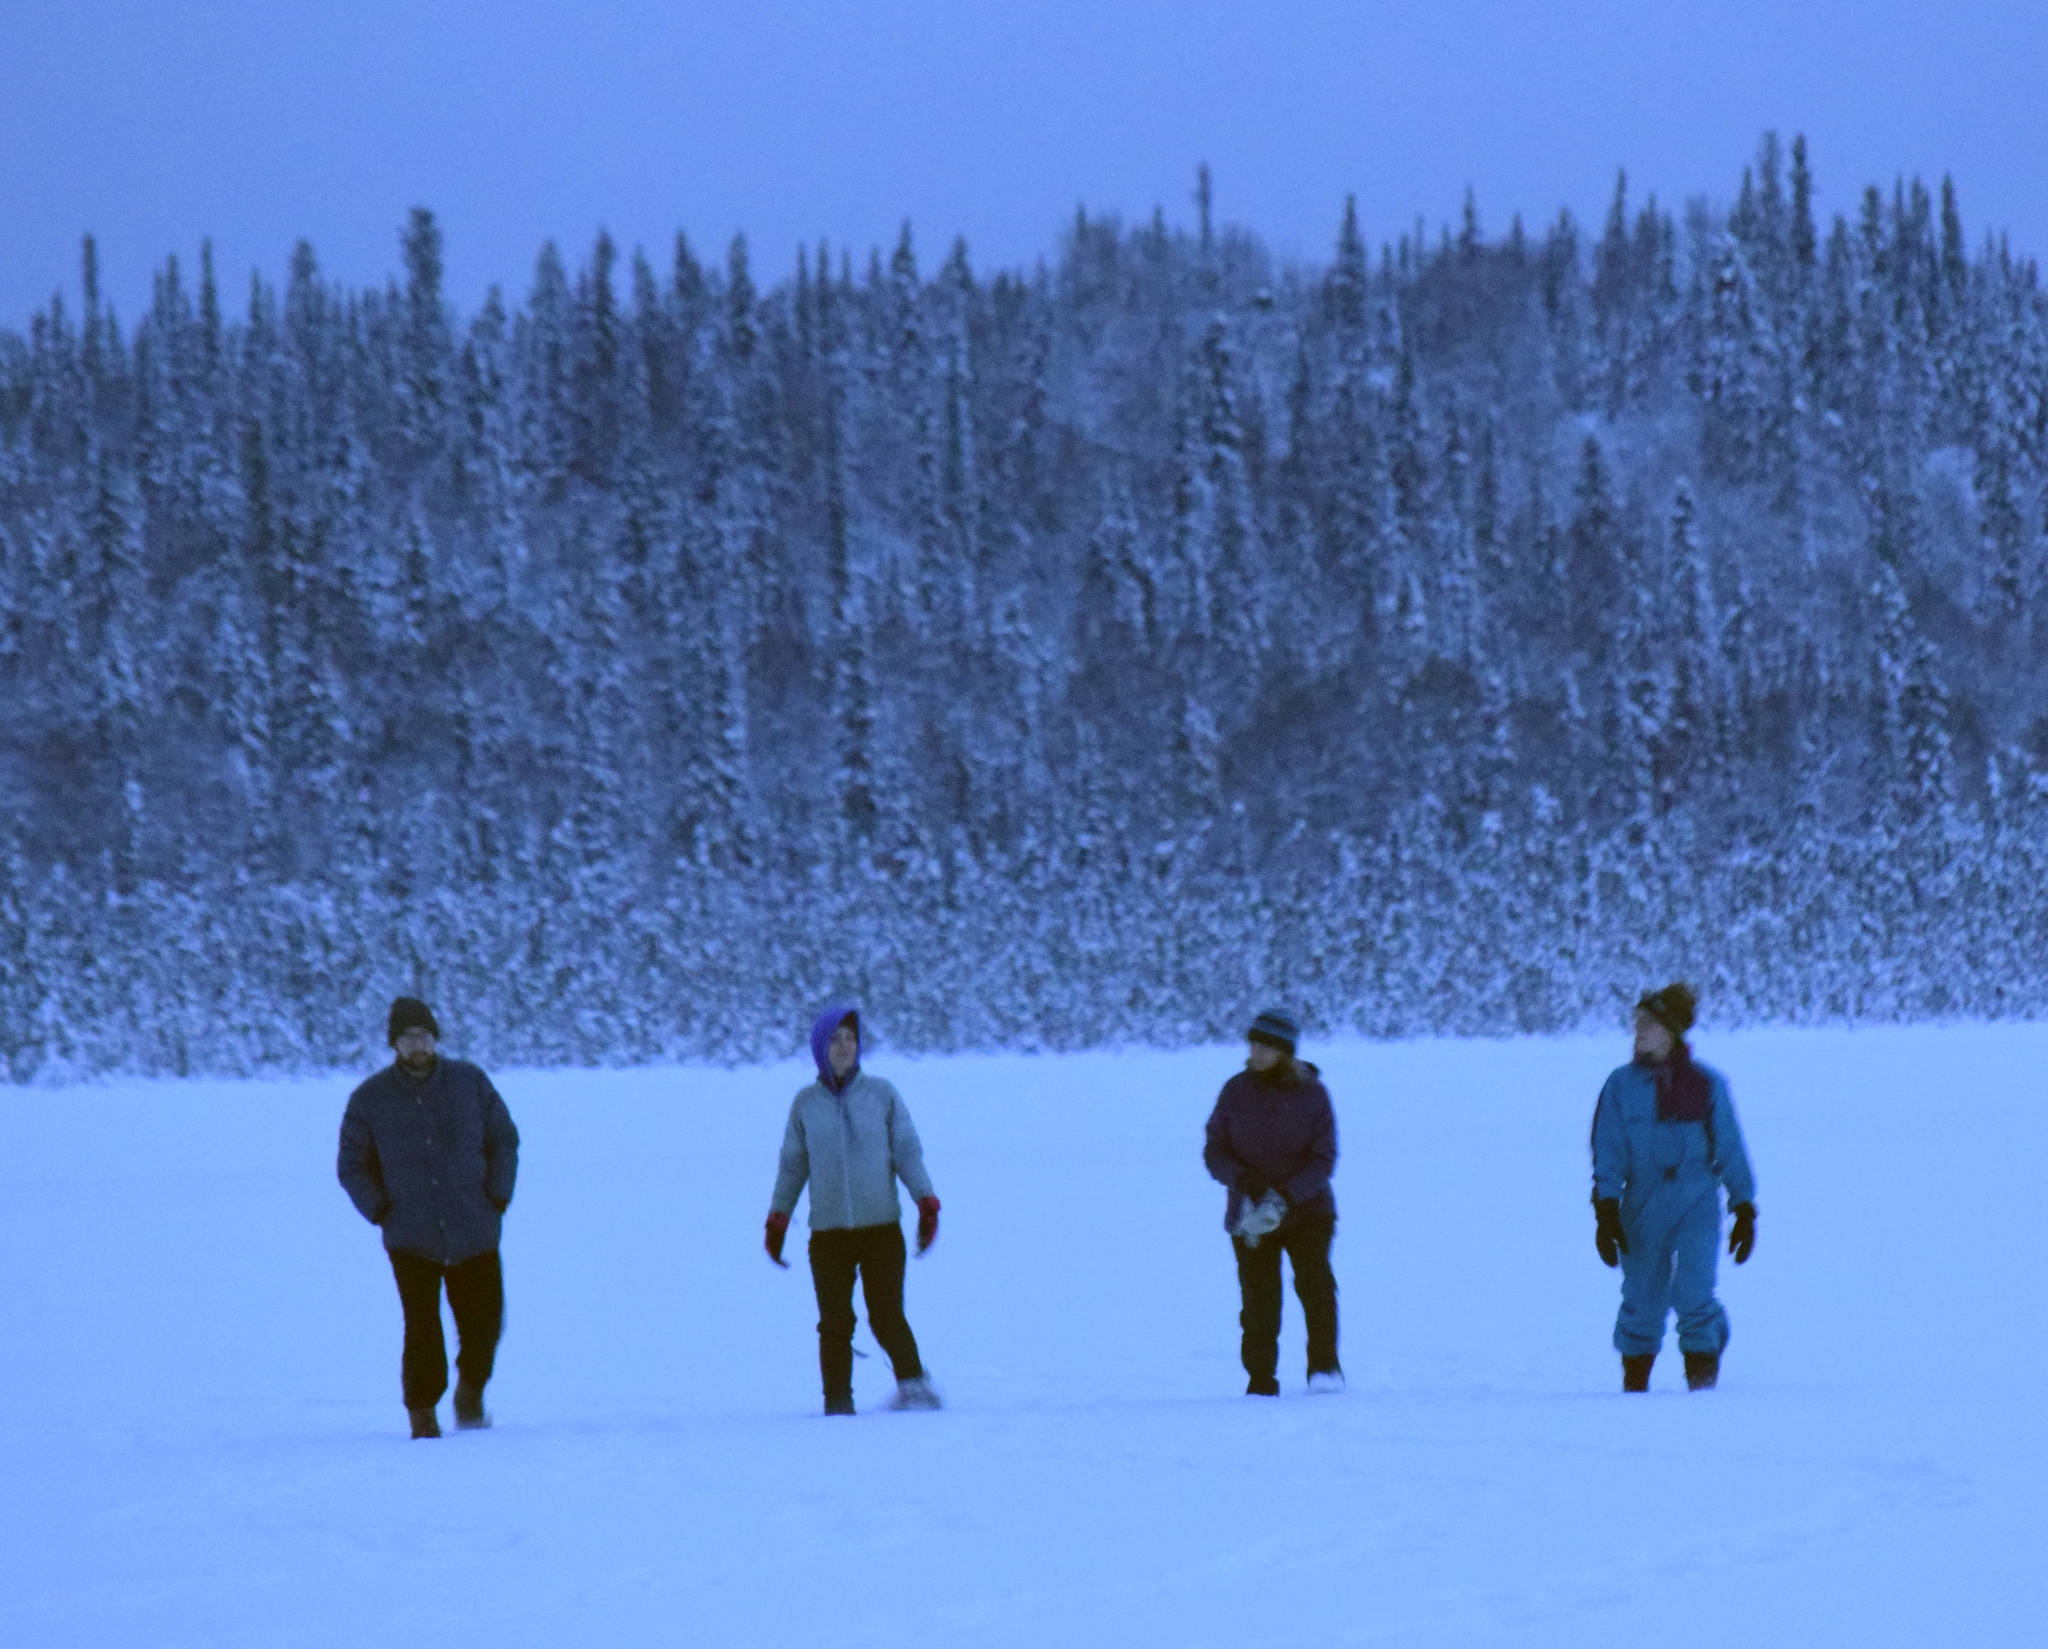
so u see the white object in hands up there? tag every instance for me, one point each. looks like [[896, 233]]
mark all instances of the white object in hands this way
[[1260, 1217]]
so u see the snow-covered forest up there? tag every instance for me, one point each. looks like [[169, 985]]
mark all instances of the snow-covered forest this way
[[1458, 636]]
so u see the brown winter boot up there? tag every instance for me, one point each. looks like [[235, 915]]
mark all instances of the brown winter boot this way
[[425, 1423], [1702, 1370], [469, 1408], [1635, 1372]]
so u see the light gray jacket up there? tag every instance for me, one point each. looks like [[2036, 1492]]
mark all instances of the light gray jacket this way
[[851, 1148]]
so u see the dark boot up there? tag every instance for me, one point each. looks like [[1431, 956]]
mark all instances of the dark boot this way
[[839, 1403], [1635, 1372], [469, 1408], [1262, 1386], [1702, 1369], [425, 1423]]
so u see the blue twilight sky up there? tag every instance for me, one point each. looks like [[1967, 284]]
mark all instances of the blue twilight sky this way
[[154, 123]]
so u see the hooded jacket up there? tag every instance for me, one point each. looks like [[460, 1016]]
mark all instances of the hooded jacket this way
[[431, 1163], [1277, 1128], [850, 1142]]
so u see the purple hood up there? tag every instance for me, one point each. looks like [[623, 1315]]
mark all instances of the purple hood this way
[[821, 1038]]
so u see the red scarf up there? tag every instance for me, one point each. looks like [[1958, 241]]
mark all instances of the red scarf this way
[[1683, 1092]]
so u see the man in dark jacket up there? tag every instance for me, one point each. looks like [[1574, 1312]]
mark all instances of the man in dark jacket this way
[[429, 1154], [1272, 1139]]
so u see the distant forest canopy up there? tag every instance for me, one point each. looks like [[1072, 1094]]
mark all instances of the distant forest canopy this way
[[1457, 637]]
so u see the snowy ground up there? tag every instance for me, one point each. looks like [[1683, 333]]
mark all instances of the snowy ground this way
[[201, 1441]]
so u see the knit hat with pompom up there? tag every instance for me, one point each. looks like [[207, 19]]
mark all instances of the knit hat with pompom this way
[[1675, 1007]]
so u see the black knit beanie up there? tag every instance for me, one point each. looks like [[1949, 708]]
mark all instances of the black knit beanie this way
[[1675, 1007], [1275, 1028], [407, 1013]]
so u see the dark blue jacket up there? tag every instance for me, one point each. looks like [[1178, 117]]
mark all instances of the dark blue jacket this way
[[430, 1162], [1278, 1128]]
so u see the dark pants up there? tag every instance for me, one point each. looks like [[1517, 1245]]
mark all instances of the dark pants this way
[[876, 1252], [476, 1294], [1306, 1238]]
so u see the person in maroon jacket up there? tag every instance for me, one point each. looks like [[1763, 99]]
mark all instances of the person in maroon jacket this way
[[1272, 1139]]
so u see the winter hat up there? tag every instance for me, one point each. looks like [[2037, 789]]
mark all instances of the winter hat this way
[[410, 1013], [1275, 1028], [1674, 1007]]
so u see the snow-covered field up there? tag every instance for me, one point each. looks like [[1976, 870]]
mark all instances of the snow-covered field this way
[[201, 1441]]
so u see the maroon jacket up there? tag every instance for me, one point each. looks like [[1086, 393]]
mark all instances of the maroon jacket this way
[[1278, 1130]]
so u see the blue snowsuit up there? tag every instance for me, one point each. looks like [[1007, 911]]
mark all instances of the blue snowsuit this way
[[1664, 1174]]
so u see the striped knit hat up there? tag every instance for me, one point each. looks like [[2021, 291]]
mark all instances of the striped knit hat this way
[[1276, 1028]]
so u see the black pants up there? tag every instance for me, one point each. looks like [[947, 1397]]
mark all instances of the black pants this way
[[1306, 1238], [476, 1294], [876, 1252]]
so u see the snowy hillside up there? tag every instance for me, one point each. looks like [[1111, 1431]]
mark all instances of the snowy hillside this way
[[202, 1442], [1443, 636]]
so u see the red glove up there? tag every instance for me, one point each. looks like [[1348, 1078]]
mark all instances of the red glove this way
[[778, 1228], [927, 1222]]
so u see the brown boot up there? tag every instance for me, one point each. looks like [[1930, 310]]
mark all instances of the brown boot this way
[[1635, 1372], [425, 1423], [1702, 1369], [469, 1408]]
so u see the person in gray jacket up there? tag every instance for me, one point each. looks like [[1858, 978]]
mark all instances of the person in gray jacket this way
[[1665, 1141], [850, 1138], [428, 1155]]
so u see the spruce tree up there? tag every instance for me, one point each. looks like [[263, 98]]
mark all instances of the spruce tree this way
[[1802, 243]]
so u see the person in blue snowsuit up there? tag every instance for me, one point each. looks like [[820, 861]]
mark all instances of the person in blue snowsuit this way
[[1665, 1140]]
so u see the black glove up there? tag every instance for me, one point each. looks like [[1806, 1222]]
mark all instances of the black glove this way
[[1608, 1235], [1254, 1188], [1742, 1238]]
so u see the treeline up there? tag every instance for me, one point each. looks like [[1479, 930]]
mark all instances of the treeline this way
[[1452, 637]]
